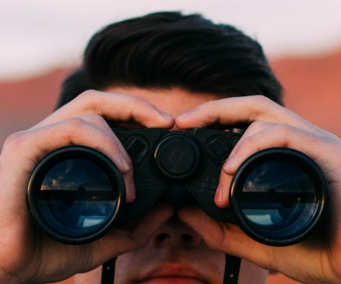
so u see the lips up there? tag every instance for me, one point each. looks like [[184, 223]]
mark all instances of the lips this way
[[172, 280], [173, 274]]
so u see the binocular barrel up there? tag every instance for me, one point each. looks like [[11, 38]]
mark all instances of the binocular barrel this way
[[76, 194]]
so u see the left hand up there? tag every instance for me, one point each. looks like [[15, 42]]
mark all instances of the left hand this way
[[314, 260]]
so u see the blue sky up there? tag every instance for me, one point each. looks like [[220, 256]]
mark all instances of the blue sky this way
[[37, 35]]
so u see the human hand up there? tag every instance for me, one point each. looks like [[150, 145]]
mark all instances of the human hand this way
[[27, 255], [318, 258]]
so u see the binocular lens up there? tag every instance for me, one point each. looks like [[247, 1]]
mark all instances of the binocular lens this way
[[280, 201], [278, 198], [75, 199]]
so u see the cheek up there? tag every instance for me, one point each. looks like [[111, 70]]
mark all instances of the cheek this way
[[91, 277], [251, 273], [124, 262], [127, 267], [214, 263]]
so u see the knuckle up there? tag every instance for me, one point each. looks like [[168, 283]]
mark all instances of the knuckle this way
[[112, 146], [15, 140], [263, 103], [94, 118], [282, 129], [88, 94], [112, 143], [75, 123], [138, 101], [261, 99], [70, 128], [247, 143], [258, 125]]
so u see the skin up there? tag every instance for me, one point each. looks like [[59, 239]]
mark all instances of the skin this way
[[315, 260], [34, 258], [31, 256], [174, 248]]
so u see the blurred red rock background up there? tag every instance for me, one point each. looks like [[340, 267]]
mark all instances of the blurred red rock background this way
[[312, 89]]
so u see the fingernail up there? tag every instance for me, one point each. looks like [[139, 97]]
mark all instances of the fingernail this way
[[132, 191], [124, 163], [165, 114], [219, 193], [184, 115], [229, 162]]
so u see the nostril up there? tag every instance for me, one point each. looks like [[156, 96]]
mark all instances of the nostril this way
[[186, 238], [161, 237]]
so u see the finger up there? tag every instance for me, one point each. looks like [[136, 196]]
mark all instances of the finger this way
[[278, 135], [268, 135], [252, 129], [131, 236], [110, 106], [230, 239], [262, 135], [221, 198], [239, 110], [98, 122], [27, 148], [225, 237], [82, 258]]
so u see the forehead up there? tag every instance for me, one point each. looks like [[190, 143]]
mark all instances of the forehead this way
[[173, 101]]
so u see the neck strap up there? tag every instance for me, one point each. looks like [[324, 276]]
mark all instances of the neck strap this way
[[232, 265], [108, 272]]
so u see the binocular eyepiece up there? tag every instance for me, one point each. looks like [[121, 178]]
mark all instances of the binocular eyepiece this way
[[76, 194]]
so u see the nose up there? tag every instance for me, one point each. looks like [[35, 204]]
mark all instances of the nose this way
[[176, 234]]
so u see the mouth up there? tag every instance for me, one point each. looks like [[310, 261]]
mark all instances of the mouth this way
[[172, 280], [173, 274]]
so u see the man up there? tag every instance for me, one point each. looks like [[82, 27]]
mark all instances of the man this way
[[170, 71]]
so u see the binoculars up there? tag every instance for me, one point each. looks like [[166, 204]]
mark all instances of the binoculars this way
[[76, 194]]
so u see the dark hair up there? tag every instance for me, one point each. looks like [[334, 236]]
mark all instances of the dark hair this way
[[168, 49]]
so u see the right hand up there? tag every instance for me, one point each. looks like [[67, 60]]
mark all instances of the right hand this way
[[27, 255]]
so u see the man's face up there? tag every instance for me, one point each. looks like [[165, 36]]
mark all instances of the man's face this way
[[175, 254]]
